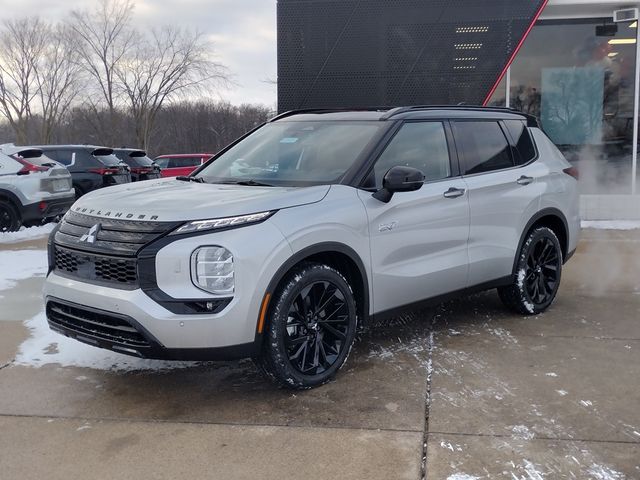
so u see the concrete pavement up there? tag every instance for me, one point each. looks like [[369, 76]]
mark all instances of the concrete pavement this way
[[481, 392]]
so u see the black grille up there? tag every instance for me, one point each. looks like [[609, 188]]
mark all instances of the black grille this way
[[95, 325], [98, 268], [110, 235]]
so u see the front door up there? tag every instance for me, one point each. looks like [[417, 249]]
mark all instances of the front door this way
[[418, 239]]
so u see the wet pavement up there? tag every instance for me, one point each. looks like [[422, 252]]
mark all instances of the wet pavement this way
[[481, 393]]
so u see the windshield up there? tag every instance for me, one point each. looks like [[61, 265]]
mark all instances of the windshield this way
[[294, 153]]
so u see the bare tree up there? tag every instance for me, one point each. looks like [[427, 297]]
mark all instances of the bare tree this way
[[59, 79], [105, 38], [171, 62], [22, 43]]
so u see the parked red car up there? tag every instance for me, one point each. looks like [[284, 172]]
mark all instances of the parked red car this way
[[181, 164]]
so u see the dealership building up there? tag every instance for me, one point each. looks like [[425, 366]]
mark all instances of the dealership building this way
[[571, 63], [576, 71]]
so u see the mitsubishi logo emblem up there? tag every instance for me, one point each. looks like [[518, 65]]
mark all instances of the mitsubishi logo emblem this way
[[90, 236]]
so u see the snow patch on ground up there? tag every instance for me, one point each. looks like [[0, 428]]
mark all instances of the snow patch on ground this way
[[602, 472], [16, 265], [462, 476], [454, 447], [46, 347], [612, 224], [25, 234], [532, 471], [522, 432]]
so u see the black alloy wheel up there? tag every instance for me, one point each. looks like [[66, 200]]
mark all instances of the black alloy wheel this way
[[311, 327], [538, 274], [317, 328], [9, 217], [541, 273]]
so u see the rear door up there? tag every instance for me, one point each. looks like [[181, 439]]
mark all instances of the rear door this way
[[419, 239], [503, 195]]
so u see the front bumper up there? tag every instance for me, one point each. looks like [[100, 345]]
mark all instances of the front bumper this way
[[169, 335], [123, 334]]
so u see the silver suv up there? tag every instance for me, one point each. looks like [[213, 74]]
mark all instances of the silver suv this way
[[33, 188], [316, 222]]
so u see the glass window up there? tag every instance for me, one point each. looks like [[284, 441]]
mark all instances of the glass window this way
[[421, 145], [295, 153], [520, 139], [580, 84], [162, 162], [482, 146], [63, 156]]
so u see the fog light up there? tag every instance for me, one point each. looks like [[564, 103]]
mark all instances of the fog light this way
[[212, 270]]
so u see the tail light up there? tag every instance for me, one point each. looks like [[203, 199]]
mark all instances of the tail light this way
[[28, 167], [572, 171], [104, 171]]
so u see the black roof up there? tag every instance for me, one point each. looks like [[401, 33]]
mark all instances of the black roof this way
[[415, 112]]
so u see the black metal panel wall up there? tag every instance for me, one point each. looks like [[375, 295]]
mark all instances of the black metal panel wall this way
[[356, 53]]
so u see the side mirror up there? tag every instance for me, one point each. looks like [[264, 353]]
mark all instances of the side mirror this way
[[399, 179]]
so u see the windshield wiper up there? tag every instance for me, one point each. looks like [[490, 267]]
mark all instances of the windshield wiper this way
[[247, 183], [183, 178]]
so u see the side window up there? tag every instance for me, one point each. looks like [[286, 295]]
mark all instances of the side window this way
[[482, 146], [162, 162], [194, 161], [421, 145], [178, 162], [63, 156], [521, 141]]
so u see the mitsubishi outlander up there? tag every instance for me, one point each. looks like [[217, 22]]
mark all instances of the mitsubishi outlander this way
[[282, 244]]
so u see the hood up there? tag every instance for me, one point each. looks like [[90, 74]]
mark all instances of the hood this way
[[170, 200]]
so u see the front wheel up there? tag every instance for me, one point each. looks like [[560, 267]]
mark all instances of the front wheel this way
[[538, 274], [311, 327]]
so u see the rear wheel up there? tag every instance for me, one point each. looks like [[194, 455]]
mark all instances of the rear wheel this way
[[312, 325], [10, 220], [538, 274]]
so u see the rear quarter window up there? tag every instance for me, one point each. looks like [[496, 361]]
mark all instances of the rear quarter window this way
[[521, 141], [65, 157], [482, 146]]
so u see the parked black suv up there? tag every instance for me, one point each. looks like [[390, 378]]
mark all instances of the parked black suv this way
[[142, 167], [91, 167]]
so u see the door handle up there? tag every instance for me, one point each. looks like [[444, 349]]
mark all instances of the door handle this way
[[524, 180], [454, 192]]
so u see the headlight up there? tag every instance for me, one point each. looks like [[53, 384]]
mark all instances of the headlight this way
[[212, 270], [217, 223]]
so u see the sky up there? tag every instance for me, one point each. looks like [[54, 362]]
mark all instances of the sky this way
[[243, 33]]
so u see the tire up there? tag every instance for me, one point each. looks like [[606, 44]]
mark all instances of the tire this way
[[311, 327], [79, 191], [10, 220], [538, 274]]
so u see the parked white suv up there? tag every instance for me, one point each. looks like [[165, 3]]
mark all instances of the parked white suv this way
[[287, 240], [33, 188]]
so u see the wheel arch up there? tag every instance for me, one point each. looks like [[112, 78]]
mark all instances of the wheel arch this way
[[337, 255], [551, 218], [11, 197]]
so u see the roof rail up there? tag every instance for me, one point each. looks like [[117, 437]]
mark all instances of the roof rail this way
[[532, 121], [390, 112], [328, 110]]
